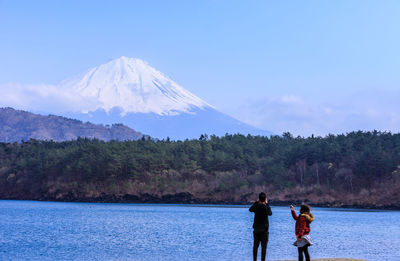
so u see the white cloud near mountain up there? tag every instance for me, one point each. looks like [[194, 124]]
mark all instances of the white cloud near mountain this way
[[41, 98], [363, 110]]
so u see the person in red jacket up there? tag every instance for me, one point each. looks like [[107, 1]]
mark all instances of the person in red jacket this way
[[303, 230]]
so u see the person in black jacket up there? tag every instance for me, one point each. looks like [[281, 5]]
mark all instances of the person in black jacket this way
[[261, 211]]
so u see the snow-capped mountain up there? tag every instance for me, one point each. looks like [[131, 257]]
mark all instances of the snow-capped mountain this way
[[130, 91], [133, 86]]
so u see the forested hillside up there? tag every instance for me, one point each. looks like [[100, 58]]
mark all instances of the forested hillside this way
[[357, 169], [17, 125]]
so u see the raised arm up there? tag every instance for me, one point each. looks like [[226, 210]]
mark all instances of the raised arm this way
[[294, 215]]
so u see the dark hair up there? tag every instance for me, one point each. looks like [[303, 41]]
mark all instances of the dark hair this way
[[262, 196], [304, 208]]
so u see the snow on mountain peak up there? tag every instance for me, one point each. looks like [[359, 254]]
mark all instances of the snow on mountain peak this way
[[133, 86]]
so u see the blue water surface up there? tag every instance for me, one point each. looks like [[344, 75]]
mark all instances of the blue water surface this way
[[32, 230]]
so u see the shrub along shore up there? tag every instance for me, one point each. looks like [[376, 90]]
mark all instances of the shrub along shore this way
[[359, 169]]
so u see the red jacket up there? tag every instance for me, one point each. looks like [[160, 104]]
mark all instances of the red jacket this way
[[303, 222]]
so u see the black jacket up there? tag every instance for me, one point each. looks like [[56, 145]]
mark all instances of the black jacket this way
[[261, 213]]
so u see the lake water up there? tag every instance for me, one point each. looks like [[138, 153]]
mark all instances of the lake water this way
[[32, 230]]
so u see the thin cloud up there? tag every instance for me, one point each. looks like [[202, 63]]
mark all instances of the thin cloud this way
[[362, 110], [368, 110], [42, 98]]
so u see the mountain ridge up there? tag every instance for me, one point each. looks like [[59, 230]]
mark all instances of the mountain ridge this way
[[18, 125]]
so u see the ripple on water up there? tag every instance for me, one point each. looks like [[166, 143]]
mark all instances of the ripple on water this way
[[92, 231]]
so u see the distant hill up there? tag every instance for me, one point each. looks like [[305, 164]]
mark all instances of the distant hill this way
[[16, 125]]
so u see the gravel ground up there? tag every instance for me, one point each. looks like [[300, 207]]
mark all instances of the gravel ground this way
[[332, 259]]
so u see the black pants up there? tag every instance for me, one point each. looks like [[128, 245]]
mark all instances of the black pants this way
[[304, 250], [260, 237]]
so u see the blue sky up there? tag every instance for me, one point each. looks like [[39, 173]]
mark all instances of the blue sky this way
[[300, 66]]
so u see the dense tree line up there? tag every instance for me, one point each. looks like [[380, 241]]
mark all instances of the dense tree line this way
[[232, 164]]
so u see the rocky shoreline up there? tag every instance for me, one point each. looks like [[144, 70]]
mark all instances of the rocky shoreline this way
[[188, 198]]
